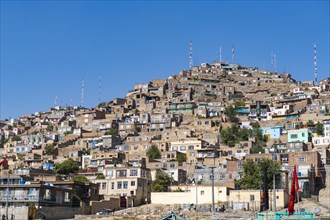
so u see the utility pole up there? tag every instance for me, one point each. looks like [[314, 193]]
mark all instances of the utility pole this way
[[7, 197], [196, 182], [212, 178], [274, 192]]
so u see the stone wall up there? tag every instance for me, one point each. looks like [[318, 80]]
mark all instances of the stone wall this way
[[97, 206], [54, 213]]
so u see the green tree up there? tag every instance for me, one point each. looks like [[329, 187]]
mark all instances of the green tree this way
[[240, 103], [49, 149], [254, 174], [112, 131], [255, 124], [102, 104], [81, 178], [50, 127], [68, 166], [319, 129], [244, 134], [230, 113], [162, 181], [86, 151], [181, 158], [20, 156], [230, 135], [3, 140], [100, 177], [16, 138], [153, 152], [68, 132]]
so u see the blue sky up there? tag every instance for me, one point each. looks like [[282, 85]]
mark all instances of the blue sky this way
[[48, 47]]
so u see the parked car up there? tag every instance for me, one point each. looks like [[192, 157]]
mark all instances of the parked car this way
[[104, 212]]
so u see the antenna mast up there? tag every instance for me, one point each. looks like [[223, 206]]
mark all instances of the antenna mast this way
[[220, 52], [100, 89], [232, 54], [190, 55], [273, 61], [56, 101], [315, 64], [82, 93]]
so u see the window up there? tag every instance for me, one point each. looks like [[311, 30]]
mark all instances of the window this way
[[119, 185], [199, 123], [172, 165], [230, 152], [104, 185], [240, 165], [294, 136], [136, 147], [207, 122], [133, 173], [109, 173], [190, 147], [132, 183], [303, 134], [175, 148], [183, 148], [112, 185], [125, 183], [274, 157], [202, 192], [301, 159], [121, 173], [251, 197]]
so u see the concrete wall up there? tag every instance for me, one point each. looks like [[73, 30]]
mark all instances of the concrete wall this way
[[54, 213], [244, 196], [20, 213], [204, 195], [97, 206]]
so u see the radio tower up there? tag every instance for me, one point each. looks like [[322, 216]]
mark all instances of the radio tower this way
[[220, 53], [82, 93], [190, 55], [100, 89], [232, 54], [273, 61], [315, 64], [56, 101]]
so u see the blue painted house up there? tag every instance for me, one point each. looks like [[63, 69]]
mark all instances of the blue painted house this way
[[299, 135], [272, 132]]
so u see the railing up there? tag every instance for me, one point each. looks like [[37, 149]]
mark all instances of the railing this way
[[19, 197]]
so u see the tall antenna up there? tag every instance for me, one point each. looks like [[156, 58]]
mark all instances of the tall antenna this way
[[273, 61], [232, 54], [315, 64], [190, 55], [220, 53], [82, 93], [56, 101], [100, 89]]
